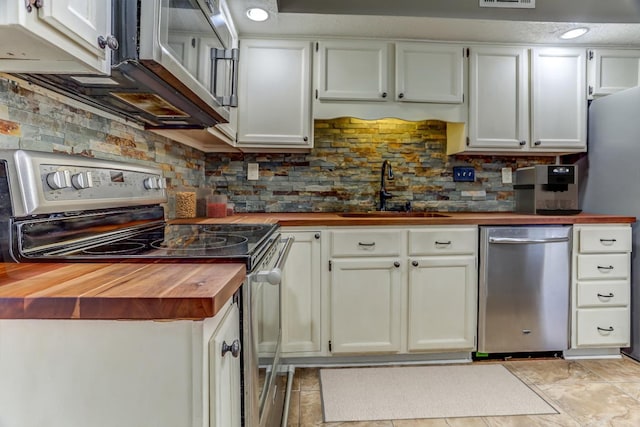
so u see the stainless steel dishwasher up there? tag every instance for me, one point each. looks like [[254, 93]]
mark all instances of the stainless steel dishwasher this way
[[524, 289]]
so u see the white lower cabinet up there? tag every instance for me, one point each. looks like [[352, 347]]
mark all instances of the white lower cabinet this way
[[105, 373], [442, 303], [399, 290], [601, 286], [224, 372], [301, 294], [365, 305]]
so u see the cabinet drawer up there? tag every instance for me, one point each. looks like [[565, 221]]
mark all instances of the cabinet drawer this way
[[603, 294], [605, 239], [443, 241], [605, 328], [366, 242], [606, 267]]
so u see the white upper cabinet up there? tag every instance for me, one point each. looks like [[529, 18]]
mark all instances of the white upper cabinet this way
[[522, 106], [377, 79], [59, 37], [274, 94], [427, 72], [353, 70], [612, 70], [558, 98], [498, 98]]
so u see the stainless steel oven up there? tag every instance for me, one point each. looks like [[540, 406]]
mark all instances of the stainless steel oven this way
[[62, 208], [265, 379]]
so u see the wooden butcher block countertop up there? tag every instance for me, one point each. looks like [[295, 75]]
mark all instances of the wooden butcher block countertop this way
[[166, 291], [314, 219], [116, 291]]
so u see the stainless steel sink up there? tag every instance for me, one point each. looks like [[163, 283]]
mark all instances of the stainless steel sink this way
[[392, 214]]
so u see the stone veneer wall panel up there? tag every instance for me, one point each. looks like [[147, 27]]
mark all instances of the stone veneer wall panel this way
[[35, 119], [342, 172]]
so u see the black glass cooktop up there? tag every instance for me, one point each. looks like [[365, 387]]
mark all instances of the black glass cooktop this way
[[187, 242]]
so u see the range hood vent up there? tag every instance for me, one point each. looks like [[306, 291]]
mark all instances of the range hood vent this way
[[513, 4]]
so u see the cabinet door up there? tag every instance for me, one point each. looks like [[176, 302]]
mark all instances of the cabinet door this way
[[80, 20], [613, 70], [301, 294], [353, 70], [224, 373], [274, 94], [558, 98], [59, 37], [428, 73], [365, 305], [498, 98], [442, 303]]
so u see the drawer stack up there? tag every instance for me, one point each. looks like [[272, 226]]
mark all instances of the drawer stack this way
[[601, 286]]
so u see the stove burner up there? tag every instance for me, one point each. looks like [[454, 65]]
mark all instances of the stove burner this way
[[115, 248], [236, 228], [200, 242]]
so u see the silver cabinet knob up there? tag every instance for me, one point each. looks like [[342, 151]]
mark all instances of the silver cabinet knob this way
[[109, 41], [401, 95], [316, 236], [523, 142], [396, 264], [234, 348], [537, 143], [384, 94], [415, 263]]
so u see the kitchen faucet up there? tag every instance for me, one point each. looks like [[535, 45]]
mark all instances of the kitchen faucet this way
[[384, 195]]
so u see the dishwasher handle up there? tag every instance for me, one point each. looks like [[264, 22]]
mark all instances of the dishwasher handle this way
[[517, 241]]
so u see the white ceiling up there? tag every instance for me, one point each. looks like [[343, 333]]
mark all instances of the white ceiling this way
[[611, 22]]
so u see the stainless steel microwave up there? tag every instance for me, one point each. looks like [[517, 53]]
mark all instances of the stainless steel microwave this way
[[172, 66]]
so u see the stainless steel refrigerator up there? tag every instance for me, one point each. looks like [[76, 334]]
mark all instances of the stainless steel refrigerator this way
[[610, 178]]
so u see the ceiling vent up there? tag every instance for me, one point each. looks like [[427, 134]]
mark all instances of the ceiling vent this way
[[513, 4]]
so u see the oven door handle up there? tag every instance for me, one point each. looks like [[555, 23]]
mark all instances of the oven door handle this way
[[274, 276]]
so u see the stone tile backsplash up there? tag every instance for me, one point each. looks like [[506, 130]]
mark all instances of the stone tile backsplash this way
[[36, 120], [343, 171]]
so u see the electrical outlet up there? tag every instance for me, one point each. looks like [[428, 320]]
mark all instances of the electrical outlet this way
[[507, 176], [464, 174], [253, 173]]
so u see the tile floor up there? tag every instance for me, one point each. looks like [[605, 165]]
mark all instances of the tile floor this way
[[596, 393]]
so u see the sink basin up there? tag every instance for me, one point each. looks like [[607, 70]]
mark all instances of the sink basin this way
[[392, 214]]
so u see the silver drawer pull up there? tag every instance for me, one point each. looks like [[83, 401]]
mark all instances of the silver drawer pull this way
[[605, 296], [368, 245], [448, 242], [604, 267], [608, 241], [609, 329]]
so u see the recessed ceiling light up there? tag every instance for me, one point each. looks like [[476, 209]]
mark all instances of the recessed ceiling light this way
[[257, 14], [572, 34]]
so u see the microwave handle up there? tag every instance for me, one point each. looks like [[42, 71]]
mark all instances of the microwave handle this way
[[232, 55]]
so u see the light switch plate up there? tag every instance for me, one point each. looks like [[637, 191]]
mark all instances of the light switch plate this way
[[507, 176], [253, 173]]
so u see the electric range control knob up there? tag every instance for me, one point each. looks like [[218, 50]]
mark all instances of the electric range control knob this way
[[82, 180], [162, 183], [59, 179], [151, 183]]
